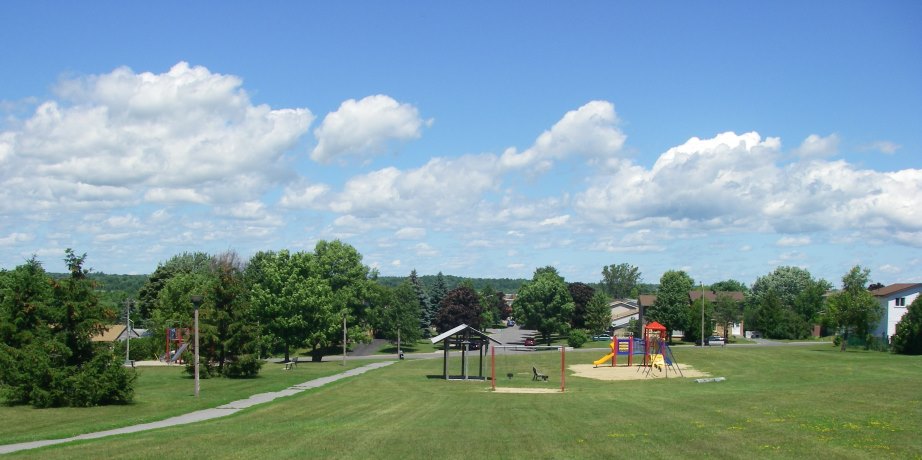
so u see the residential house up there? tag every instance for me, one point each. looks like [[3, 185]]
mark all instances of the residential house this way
[[622, 312], [115, 332], [895, 300], [647, 301]]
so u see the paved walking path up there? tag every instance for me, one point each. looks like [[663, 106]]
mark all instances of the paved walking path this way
[[201, 415]]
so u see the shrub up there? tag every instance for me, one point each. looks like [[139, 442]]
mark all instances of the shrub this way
[[246, 366], [908, 337], [577, 338]]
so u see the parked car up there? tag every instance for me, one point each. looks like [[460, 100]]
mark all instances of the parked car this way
[[602, 337], [529, 341], [510, 322], [714, 340]]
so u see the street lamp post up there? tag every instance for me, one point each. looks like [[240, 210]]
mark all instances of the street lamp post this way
[[196, 302]]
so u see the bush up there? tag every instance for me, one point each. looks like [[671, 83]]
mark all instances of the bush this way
[[908, 337], [246, 366], [577, 338], [145, 348]]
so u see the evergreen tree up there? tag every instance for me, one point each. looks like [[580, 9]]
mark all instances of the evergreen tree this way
[[437, 292], [425, 309], [47, 358]]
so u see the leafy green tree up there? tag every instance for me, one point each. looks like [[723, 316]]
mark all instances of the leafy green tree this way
[[796, 291], [493, 304], [173, 307], [544, 304], [694, 320], [460, 306], [339, 266], [730, 285], [770, 317], [908, 337], [854, 308], [228, 324], [672, 302], [598, 312], [194, 262], [727, 312], [401, 316], [620, 280], [581, 293]]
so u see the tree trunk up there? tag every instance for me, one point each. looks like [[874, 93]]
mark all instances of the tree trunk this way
[[844, 340]]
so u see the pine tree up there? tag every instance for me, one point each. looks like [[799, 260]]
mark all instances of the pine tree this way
[[425, 309]]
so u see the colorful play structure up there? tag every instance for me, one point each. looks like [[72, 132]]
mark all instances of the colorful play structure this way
[[177, 340], [652, 347]]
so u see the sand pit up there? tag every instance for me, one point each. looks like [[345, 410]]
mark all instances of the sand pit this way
[[631, 373], [527, 390]]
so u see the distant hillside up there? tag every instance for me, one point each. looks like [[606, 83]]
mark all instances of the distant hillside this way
[[505, 285], [129, 284]]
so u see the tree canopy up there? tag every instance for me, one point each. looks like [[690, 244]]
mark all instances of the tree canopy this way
[[620, 281], [854, 308], [544, 304], [908, 337], [47, 358], [671, 308]]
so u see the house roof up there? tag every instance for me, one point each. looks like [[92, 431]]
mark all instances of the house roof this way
[[457, 330], [110, 334], [646, 300], [711, 296], [894, 288]]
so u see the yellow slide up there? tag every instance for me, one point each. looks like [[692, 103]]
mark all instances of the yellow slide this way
[[603, 359]]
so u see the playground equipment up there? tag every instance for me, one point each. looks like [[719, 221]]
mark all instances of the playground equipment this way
[[653, 347], [628, 346], [177, 340]]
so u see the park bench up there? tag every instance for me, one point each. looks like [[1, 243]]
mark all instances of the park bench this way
[[291, 364], [537, 375]]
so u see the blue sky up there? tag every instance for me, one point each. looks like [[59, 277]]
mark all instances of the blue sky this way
[[476, 139]]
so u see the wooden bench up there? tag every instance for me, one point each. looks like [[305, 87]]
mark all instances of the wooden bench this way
[[537, 375], [291, 364]]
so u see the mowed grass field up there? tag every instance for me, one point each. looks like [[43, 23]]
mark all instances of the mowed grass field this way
[[777, 402]]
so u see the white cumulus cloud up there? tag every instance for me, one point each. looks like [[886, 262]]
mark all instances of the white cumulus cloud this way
[[364, 128], [815, 146]]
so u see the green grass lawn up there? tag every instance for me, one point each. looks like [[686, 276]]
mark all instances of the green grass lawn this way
[[160, 392], [777, 402]]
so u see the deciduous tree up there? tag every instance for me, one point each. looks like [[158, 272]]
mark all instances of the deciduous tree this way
[[460, 306], [620, 280], [544, 304], [908, 337], [854, 308], [672, 303]]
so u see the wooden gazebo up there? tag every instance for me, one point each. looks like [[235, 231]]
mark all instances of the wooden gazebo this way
[[464, 337]]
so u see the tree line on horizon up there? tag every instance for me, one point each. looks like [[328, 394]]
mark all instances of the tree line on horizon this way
[[283, 302]]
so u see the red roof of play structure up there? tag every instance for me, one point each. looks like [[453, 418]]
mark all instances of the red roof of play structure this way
[[655, 326]]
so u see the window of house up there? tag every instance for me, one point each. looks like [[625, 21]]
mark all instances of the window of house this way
[[900, 301]]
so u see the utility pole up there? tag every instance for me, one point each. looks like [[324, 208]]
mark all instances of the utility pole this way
[[128, 303], [702, 312], [344, 339]]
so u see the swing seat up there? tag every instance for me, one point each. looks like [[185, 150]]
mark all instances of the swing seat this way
[[537, 375]]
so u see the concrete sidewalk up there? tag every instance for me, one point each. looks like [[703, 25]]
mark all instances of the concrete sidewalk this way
[[201, 415]]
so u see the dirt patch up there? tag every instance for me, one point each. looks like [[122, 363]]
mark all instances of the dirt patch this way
[[527, 390], [631, 372]]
